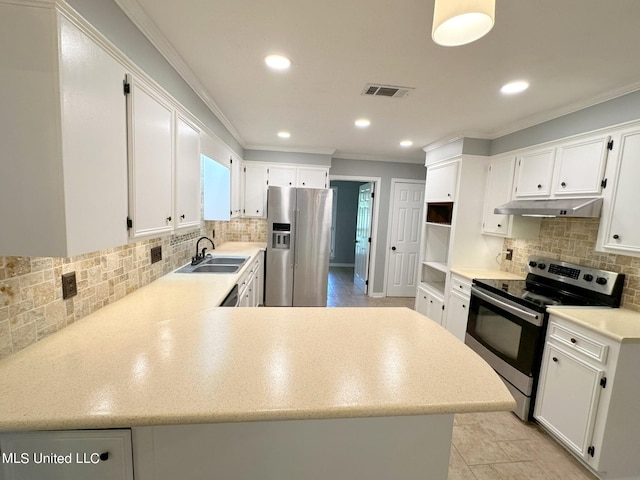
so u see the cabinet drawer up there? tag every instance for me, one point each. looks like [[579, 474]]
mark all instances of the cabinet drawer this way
[[578, 342], [461, 285]]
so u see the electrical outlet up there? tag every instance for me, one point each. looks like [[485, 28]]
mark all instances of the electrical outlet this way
[[509, 255], [156, 254], [69, 286]]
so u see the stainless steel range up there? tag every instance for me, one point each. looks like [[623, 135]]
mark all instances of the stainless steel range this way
[[508, 318]]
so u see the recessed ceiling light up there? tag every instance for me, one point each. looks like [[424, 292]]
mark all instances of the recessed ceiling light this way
[[406, 143], [362, 123], [277, 62], [284, 134], [514, 87]]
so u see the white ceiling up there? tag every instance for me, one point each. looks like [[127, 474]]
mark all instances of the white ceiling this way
[[574, 53]]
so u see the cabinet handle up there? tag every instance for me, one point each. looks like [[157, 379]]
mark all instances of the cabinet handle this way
[[182, 216], [464, 306], [393, 248], [104, 456], [289, 183], [573, 340], [168, 219], [499, 225], [448, 194], [539, 186], [459, 286], [430, 301], [616, 236], [563, 184], [555, 359], [303, 183]]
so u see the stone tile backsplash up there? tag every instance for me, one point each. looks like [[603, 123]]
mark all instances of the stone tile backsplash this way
[[573, 240], [238, 230]]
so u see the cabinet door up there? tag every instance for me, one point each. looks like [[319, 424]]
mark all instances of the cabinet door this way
[[568, 397], [312, 177], [422, 301], [435, 309], [80, 452], [441, 182], [581, 167], [151, 124], [499, 186], [534, 174], [255, 191], [457, 313], [622, 233], [237, 186], [282, 176], [187, 174]]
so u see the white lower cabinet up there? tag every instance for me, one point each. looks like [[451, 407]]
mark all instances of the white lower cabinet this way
[[67, 455], [251, 284], [458, 307], [429, 304], [587, 397]]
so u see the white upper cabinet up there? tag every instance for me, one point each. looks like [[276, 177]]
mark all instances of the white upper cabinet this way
[[581, 166], [441, 182], [313, 177], [187, 212], [255, 188], [282, 176], [498, 192], [618, 231], [63, 174], [535, 171], [237, 186], [151, 160]]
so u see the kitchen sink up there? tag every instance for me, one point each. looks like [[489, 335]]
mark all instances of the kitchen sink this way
[[216, 264]]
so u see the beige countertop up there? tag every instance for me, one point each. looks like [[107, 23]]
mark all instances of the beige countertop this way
[[619, 324], [166, 355], [471, 273]]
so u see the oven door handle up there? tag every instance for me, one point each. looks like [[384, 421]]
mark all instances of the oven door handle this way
[[525, 315]]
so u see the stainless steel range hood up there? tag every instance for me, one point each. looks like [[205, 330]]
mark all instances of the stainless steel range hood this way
[[559, 207]]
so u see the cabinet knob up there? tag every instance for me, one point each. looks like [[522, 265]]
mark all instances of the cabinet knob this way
[[448, 194], [555, 359], [616, 236], [499, 225], [289, 183], [539, 186], [182, 216], [563, 184], [104, 456], [168, 219], [573, 340], [303, 183], [464, 306], [393, 248]]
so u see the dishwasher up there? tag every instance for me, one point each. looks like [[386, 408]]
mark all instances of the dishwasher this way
[[231, 300]]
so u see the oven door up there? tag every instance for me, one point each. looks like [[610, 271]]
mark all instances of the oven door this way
[[511, 332]]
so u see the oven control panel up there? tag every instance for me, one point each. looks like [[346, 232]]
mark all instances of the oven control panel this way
[[601, 281]]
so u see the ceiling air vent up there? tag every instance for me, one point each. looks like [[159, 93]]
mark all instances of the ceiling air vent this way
[[394, 91]]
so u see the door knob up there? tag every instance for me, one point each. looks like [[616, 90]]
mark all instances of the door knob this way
[[393, 248]]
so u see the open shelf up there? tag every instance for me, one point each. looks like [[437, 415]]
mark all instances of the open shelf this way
[[440, 266], [434, 287], [439, 212], [442, 225]]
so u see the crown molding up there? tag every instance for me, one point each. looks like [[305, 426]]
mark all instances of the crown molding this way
[[379, 158], [271, 148], [141, 20]]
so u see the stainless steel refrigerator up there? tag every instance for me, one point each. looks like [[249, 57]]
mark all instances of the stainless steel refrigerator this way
[[298, 244]]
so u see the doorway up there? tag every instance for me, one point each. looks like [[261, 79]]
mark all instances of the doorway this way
[[351, 269]]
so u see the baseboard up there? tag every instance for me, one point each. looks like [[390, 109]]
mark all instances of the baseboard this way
[[342, 264], [377, 295]]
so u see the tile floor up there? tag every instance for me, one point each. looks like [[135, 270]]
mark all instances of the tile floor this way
[[486, 446]]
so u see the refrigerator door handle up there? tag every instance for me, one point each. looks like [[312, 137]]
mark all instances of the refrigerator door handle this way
[[296, 215]]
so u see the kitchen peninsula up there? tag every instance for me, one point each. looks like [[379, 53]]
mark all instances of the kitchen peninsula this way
[[253, 392]]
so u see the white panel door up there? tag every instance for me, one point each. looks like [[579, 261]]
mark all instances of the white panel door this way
[[282, 176], [363, 234], [313, 177], [255, 191], [534, 174], [406, 208]]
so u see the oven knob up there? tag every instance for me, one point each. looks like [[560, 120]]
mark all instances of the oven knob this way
[[587, 277], [601, 281], [532, 263], [542, 266]]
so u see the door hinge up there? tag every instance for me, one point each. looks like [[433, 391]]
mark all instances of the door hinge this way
[[603, 183], [369, 239], [591, 450], [373, 194], [129, 223], [244, 169], [126, 87], [442, 307], [603, 382], [366, 282], [610, 145], [230, 160]]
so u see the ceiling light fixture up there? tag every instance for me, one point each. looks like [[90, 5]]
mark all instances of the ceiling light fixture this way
[[514, 87], [458, 22], [277, 62], [362, 123], [284, 134], [406, 143]]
